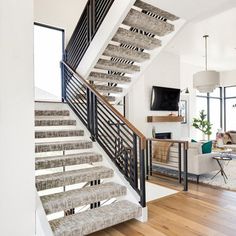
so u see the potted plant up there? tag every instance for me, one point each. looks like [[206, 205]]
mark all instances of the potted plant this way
[[203, 124]]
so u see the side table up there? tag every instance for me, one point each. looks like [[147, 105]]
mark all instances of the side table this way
[[222, 157]]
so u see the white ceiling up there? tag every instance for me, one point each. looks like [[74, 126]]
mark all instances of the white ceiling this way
[[220, 24]]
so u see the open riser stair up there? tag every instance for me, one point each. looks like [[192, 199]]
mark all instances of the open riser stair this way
[[142, 31], [77, 192]]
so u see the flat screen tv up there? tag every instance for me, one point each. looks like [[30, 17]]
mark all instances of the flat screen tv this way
[[165, 99]]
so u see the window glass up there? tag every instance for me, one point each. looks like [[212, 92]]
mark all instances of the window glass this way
[[215, 115], [201, 105], [48, 46], [215, 93], [230, 109], [230, 92]]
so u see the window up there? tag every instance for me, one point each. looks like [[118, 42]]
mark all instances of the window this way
[[230, 108], [211, 103], [48, 52]]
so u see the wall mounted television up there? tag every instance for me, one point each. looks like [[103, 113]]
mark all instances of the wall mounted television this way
[[165, 99]]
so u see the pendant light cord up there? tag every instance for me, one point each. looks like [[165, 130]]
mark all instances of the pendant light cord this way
[[206, 37]]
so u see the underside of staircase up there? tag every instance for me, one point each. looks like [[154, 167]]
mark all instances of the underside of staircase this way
[[77, 192], [131, 46]]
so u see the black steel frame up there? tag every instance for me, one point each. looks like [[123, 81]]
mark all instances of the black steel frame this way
[[182, 159], [224, 100], [122, 142], [208, 98], [88, 24]]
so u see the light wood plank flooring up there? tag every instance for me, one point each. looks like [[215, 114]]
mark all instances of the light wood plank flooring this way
[[203, 211]]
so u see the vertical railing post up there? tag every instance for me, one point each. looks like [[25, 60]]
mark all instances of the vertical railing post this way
[[89, 112], [93, 115], [63, 85], [147, 159], [142, 175], [180, 162], [134, 158], [185, 168], [150, 156]]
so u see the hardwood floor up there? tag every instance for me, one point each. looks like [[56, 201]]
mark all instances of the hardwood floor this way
[[202, 211]]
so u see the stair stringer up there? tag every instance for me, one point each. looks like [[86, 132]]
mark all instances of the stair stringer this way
[[131, 195], [106, 31], [42, 226]]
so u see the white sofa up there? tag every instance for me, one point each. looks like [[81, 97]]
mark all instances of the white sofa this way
[[199, 163]]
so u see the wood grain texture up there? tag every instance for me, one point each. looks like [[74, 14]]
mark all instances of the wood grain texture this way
[[203, 211], [151, 119]]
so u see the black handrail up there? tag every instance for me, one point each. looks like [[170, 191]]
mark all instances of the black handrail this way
[[123, 143], [88, 24]]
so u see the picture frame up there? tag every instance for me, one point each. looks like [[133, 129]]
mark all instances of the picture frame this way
[[183, 110]]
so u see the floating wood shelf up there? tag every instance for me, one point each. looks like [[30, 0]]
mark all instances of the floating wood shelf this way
[[165, 119]]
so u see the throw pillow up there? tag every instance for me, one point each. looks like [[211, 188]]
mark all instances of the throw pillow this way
[[233, 136], [227, 138], [207, 147]]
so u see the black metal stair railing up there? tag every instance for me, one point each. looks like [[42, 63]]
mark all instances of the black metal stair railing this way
[[122, 142], [88, 24]]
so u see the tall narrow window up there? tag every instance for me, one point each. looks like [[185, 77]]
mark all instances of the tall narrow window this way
[[211, 103], [230, 108], [48, 52]]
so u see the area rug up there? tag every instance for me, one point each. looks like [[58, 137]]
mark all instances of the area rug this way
[[218, 181]]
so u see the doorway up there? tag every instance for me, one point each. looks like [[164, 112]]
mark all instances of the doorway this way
[[48, 52]]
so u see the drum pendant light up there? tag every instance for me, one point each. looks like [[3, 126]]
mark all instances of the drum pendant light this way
[[208, 80]]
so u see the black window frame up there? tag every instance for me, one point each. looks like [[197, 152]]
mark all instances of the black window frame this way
[[208, 97], [224, 100]]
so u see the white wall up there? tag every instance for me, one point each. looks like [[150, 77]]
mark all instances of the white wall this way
[[59, 13], [17, 199], [186, 79], [164, 71]]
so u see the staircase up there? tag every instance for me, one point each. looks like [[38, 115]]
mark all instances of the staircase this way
[[144, 31], [76, 190]]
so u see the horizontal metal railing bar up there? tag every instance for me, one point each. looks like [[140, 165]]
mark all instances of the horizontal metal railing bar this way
[[83, 113], [171, 141], [80, 87], [118, 120], [76, 82], [84, 104], [114, 132], [107, 104], [107, 135], [116, 135], [73, 37], [79, 51], [108, 125], [84, 109], [122, 126], [79, 34], [78, 92], [106, 142], [80, 37], [81, 54], [108, 151], [76, 110], [75, 103]]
